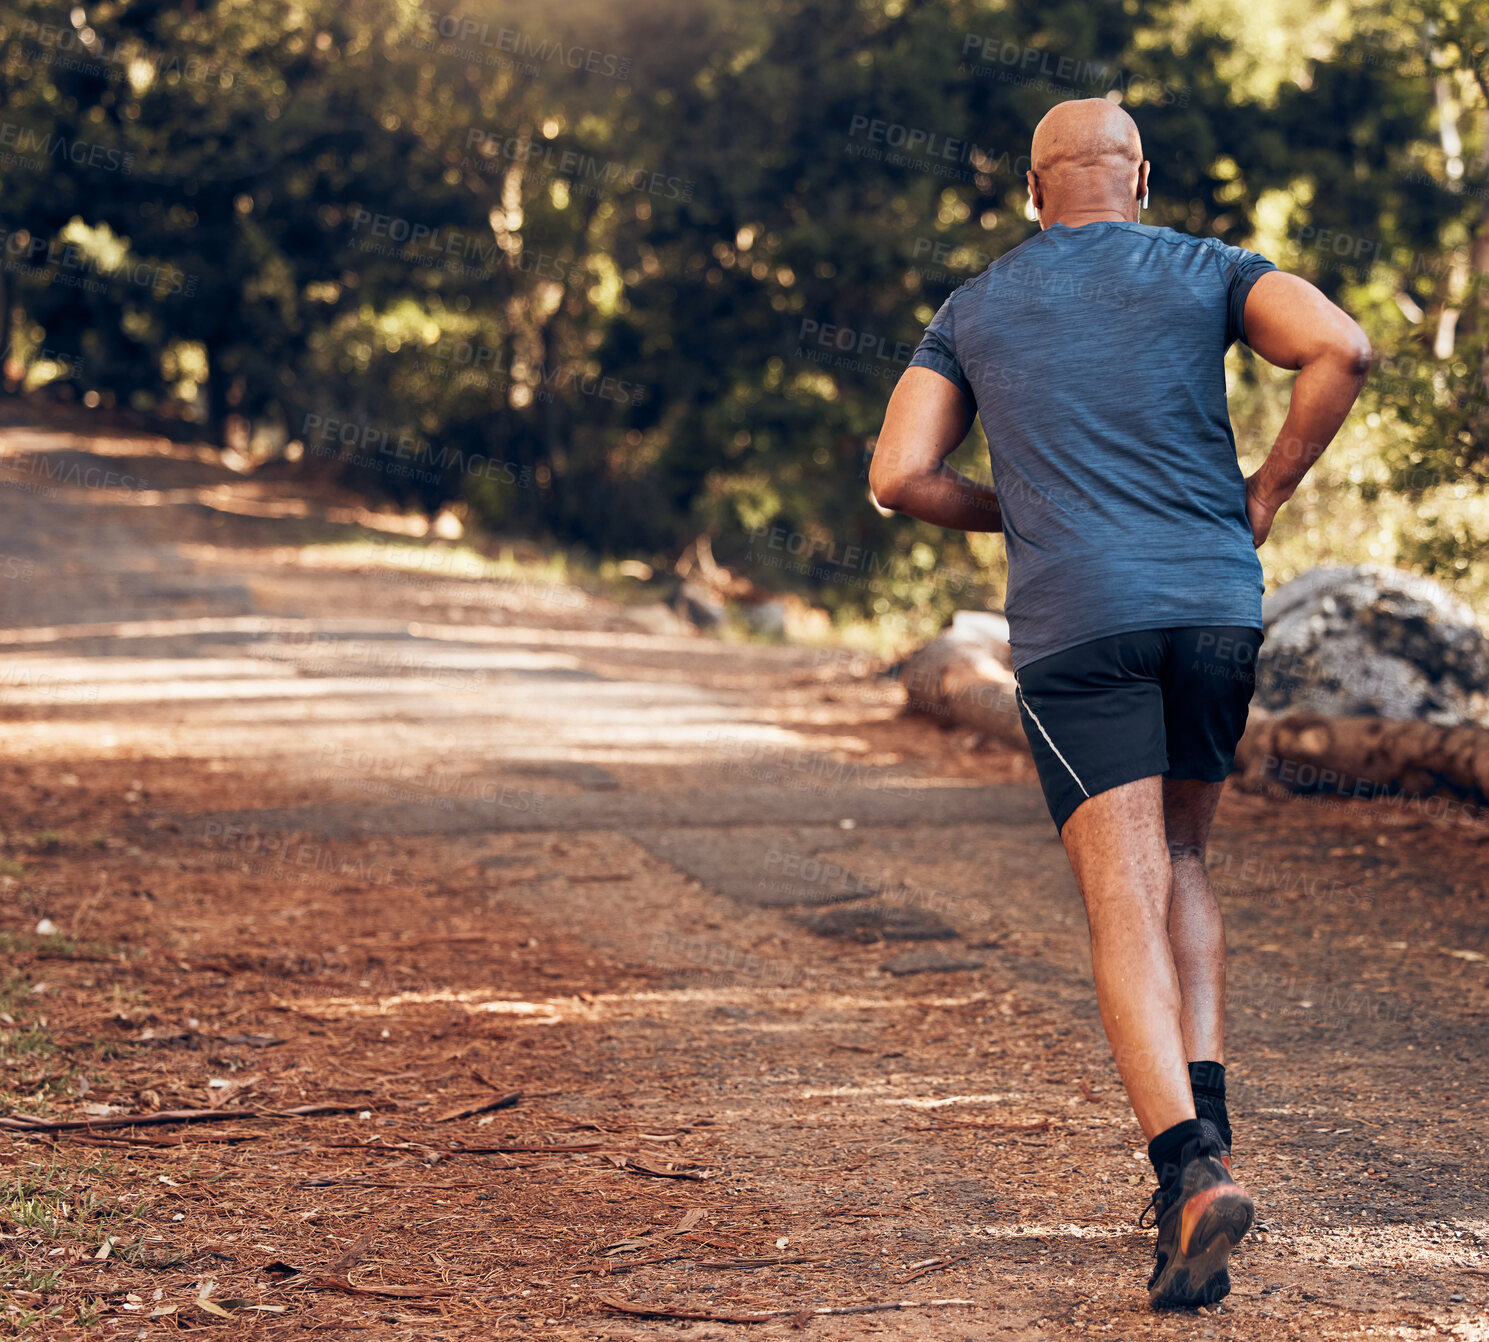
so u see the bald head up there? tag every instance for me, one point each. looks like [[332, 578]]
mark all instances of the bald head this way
[[1087, 164]]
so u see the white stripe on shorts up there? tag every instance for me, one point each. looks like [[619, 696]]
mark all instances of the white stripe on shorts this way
[[1046, 736]]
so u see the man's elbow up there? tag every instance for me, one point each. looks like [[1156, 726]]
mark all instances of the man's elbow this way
[[886, 484], [1355, 354]]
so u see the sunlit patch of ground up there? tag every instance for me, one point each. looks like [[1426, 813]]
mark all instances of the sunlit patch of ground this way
[[281, 832]]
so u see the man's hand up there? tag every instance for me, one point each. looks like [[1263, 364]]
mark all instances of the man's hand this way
[[927, 419], [1260, 511]]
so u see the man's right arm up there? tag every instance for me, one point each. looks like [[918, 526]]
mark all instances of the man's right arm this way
[[1292, 325], [927, 418]]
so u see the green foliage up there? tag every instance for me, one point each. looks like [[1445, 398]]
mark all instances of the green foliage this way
[[577, 266], [58, 945], [60, 1200]]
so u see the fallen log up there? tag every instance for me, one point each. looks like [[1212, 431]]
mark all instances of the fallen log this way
[[966, 677], [1365, 758]]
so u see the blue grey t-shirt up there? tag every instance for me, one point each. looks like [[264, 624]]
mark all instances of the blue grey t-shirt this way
[[1095, 358]]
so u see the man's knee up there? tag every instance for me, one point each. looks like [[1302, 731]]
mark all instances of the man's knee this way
[[1144, 899], [1185, 850]]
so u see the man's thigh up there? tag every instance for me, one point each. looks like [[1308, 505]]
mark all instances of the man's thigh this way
[[1118, 850], [1208, 679], [1188, 808], [1093, 717]]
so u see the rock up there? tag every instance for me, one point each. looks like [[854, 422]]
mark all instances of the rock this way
[[926, 962], [876, 922], [1371, 641], [767, 618], [656, 618], [980, 626]]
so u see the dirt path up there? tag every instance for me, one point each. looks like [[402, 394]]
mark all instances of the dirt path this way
[[314, 824]]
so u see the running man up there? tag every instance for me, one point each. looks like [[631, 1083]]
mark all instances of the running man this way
[[1094, 354]]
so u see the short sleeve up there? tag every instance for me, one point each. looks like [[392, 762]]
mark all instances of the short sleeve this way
[[1243, 270], [937, 350]]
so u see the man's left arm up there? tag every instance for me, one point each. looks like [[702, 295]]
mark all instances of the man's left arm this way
[[927, 418]]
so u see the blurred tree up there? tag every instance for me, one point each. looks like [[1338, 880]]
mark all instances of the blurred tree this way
[[621, 277]]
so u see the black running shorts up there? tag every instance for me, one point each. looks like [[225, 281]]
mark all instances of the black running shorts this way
[[1155, 701]]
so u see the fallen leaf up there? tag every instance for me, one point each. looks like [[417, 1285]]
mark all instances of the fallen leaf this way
[[353, 1253]]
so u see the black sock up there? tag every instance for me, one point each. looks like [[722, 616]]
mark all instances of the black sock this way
[[1166, 1148], [1207, 1081]]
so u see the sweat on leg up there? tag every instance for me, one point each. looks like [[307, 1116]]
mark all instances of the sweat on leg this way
[[1118, 852]]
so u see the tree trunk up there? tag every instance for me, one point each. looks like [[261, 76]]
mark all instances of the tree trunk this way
[[218, 408], [7, 330]]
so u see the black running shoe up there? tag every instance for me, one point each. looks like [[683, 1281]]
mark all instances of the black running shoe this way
[[1201, 1214], [1212, 1131]]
